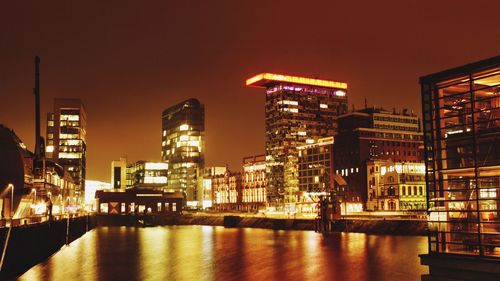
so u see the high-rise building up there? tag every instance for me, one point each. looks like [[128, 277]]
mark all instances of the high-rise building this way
[[461, 109], [67, 140], [119, 174], [183, 147], [374, 133], [298, 110]]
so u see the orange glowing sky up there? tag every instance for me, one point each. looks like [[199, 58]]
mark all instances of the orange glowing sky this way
[[129, 60]]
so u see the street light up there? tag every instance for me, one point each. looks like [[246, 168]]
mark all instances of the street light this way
[[11, 199], [34, 198]]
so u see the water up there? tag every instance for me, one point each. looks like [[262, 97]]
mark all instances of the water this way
[[217, 253]]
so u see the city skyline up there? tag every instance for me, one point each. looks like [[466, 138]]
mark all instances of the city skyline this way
[[129, 69]]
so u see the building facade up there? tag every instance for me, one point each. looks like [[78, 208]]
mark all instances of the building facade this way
[[315, 173], [374, 133], [138, 202], [226, 191], [119, 174], [395, 186], [208, 173], [461, 109], [147, 175], [298, 110], [183, 147], [67, 140], [254, 183]]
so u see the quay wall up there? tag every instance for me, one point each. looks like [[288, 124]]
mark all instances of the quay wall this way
[[369, 226], [32, 243]]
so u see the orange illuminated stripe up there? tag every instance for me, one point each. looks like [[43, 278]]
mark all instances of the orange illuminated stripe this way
[[261, 79]]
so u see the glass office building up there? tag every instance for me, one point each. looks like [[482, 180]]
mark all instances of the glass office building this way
[[67, 140], [461, 111], [298, 111], [183, 148]]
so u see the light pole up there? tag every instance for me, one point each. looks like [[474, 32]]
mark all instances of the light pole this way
[[11, 200], [34, 198]]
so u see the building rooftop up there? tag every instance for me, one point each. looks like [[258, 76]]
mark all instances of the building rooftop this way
[[265, 80], [461, 70]]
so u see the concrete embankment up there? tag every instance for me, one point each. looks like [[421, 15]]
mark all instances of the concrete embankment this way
[[33, 243], [370, 226]]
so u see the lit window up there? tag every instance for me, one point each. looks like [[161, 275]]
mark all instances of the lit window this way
[[340, 93], [49, 149], [184, 127], [104, 208], [322, 105]]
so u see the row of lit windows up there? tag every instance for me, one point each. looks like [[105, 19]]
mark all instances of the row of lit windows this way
[[409, 190], [396, 119], [397, 152], [394, 127]]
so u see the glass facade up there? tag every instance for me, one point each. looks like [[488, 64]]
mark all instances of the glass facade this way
[[461, 110], [298, 111], [183, 147], [67, 139]]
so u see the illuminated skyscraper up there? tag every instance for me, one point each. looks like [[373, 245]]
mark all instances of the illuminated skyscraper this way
[[66, 139], [183, 147], [298, 111]]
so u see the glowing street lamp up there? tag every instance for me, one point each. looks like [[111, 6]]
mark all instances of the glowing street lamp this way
[[33, 190], [11, 199]]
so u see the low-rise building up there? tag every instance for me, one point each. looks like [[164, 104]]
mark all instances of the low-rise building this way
[[136, 201], [226, 191], [395, 186], [254, 183], [208, 173]]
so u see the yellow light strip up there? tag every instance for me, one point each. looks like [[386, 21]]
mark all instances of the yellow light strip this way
[[296, 80]]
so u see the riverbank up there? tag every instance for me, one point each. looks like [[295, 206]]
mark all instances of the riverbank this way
[[29, 244], [369, 226]]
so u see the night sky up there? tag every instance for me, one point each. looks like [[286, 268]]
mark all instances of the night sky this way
[[128, 60]]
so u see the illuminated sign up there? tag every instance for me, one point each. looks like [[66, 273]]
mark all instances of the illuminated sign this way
[[262, 79]]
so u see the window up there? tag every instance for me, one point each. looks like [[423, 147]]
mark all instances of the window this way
[[174, 207], [104, 208], [122, 208], [158, 207], [167, 207]]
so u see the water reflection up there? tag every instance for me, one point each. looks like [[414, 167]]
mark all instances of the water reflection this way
[[216, 253]]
